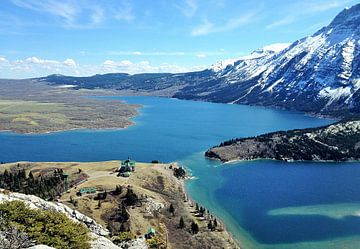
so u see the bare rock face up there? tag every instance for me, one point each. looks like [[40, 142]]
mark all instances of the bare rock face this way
[[36, 202], [41, 247]]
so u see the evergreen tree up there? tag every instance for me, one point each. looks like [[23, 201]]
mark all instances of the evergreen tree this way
[[172, 209], [215, 223], [118, 190], [197, 207], [31, 175], [194, 227], [210, 225], [181, 223]]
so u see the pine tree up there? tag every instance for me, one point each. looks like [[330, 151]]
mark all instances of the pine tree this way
[[172, 209], [210, 225], [197, 207], [194, 227], [215, 223], [181, 223], [31, 176]]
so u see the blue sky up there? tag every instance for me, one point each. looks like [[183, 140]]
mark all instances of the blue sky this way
[[85, 37]]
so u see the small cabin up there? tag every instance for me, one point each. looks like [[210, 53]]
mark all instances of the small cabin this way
[[127, 166], [150, 233], [84, 191]]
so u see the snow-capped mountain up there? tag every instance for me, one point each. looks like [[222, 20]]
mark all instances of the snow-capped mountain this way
[[319, 73]]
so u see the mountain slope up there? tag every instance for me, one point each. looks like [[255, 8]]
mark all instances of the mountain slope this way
[[319, 73]]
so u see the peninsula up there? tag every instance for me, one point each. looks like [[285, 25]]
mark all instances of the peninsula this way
[[27, 106], [336, 142]]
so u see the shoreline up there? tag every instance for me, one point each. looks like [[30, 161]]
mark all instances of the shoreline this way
[[284, 161], [230, 235], [132, 123]]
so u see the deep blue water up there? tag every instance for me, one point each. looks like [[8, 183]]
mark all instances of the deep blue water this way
[[242, 194]]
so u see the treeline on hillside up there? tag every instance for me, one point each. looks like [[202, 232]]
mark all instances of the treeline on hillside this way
[[46, 187], [340, 143]]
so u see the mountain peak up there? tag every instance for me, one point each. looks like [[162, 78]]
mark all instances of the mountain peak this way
[[347, 19]]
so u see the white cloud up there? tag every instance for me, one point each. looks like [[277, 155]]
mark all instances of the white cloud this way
[[3, 60], [168, 53], [69, 62], [35, 60], [36, 67], [201, 55], [208, 27], [126, 66]]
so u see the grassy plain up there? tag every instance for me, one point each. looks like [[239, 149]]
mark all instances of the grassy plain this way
[[28, 106]]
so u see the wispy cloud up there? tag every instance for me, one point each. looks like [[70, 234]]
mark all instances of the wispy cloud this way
[[68, 13], [305, 8], [125, 11], [188, 7], [64, 9], [207, 27], [98, 15]]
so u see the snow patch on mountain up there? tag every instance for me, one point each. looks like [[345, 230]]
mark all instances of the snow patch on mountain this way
[[259, 53]]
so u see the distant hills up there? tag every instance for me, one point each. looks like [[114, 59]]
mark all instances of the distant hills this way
[[319, 73]]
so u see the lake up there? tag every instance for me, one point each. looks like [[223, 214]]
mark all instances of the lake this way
[[265, 204]]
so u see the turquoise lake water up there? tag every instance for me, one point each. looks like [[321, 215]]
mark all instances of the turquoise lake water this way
[[265, 204]]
